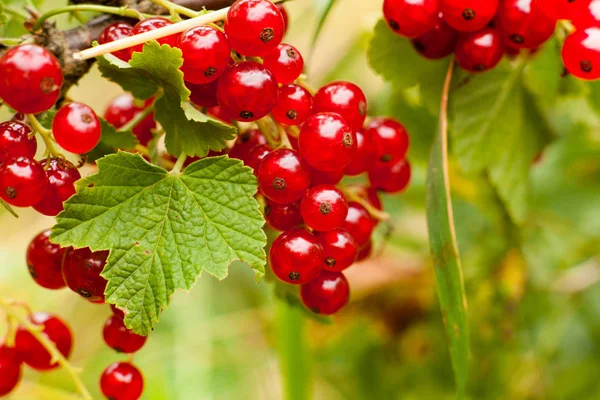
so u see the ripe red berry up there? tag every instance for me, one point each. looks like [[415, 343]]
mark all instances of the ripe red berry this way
[[327, 294], [150, 24], [117, 312], [254, 27], [31, 350], [285, 62], [116, 31], [468, 15], [248, 90], [255, 157], [204, 95], [479, 51], [522, 23], [44, 261], [119, 338], [563, 9], [437, 42], [62, 176], [284, 14], [23, 182], [324, 208], [205, 52], [123, 109], [283, 176], [10, 369], [391, 178], [326, 142], [390, 139], [81, 270], [282, 217], [344, 98], [318, 177], [296, 257], [221, 113], [366, 154], [122, 381], [340, 249], [365, 251], [16, 140], [410, 18], [589, 16], [581, 53], [359, 223], [245, 142], [76, 128], [293, 105], [30, 78]]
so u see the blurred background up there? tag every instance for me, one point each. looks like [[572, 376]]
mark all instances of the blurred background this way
[[534, 302]]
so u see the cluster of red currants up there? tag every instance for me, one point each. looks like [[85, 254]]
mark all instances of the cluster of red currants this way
[[480, 32]]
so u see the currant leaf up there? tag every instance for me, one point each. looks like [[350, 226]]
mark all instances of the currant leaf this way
[[163, 229], [110, 140]]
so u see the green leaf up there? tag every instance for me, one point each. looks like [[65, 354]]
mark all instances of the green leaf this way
[[110, 140], [543, 74], [163, 229], [3, 16], [444, 250]]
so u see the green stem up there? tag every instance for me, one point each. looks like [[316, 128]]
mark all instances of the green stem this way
[[45, 134], [137, 119], [122, 11], [15, 12], [294, 354], [10, 41], [179, 164], [177, 9]]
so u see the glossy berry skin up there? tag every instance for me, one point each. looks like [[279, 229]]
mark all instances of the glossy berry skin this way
[[319, 177], [123, 109], [62, 176], [283, 176], [76, 128], [344, 98], [204, 95], [581, 53], [122, 381], [116, 31], [284, 15], [119, 338], [327, 294], [479, 51], [438, 42], [44, 261], [589, 16], [365, 251], [31, 350], [522, 23], [359, 223], [326, 142], [294, 104], [255, 157], [16, 140], [563, 9], [206, 54], [23, 182], [30, 78], [340, 249], [410, 18], [391, 178], [389, 137], [468, 15], [81, 270], [254, 27], [324, 208], [285, 62], [248, 90], [282, 217], [296, 257], [10, 369], [221, 113], [150, 24], [365, 157], [245, 142]]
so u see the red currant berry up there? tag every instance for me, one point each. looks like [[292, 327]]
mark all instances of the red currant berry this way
[[206, 54], [391, 178], [254, 27], [117, 312], [522, 23], [284, 15], [204, 95], [23, 182], [285, 62], [30, 78], [62, 176], [359, 223], [119, 338], [438, 42], [123, 109], [282, 217], [31, 350], [366, 154], [248, 90], [365, 251], [589, 16], [344, 98], [324, 208], [390, 139], [150, 24], [410, 18], [581, 53], [318, 177], [10, 369], [283, 176], [16, 140], [468, 15], [76, 128], [44, 261], [221, 113], [245, 142], [81, 270], [122, 381], [326, 142], [296, 257], [340, 249], [327, 294], [479, 51], [116, 31], [293, 105], [255, 157], [563, 9]]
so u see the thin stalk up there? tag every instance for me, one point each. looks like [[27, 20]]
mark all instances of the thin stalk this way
[[353, 195], [16, 12], [10, 41], [179, 164], [122, 11], [45, 134], [137, 119], [175, 9]]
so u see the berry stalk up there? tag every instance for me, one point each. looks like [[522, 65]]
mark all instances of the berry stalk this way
[[45, 134], [122, 11]]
